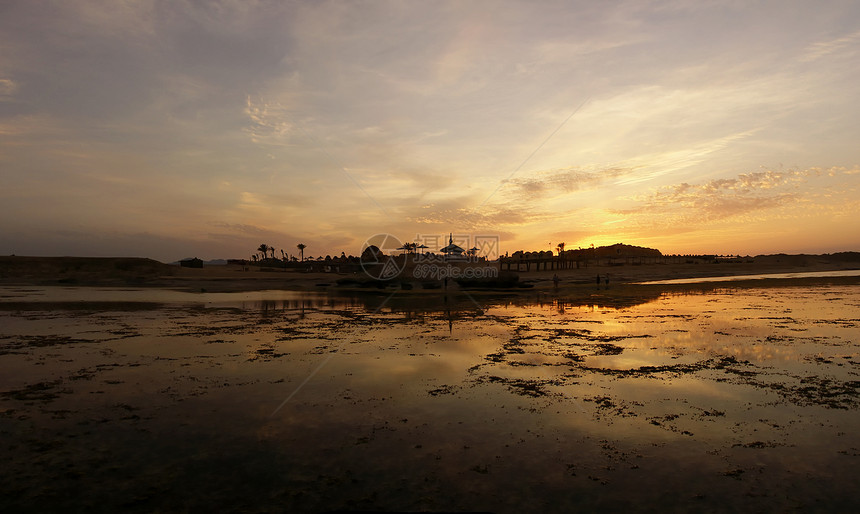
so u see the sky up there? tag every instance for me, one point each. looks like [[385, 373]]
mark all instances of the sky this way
[[173, 129]]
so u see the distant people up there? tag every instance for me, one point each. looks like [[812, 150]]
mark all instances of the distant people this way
[[555, 280], [606, 281], [598, 280]]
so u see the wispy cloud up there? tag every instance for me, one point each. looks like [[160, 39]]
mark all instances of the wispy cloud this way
[[268, 122], [822, 49], [545, 185], [548, 184], [460, 212], [696, 204], [474, 219], [658, 164], [8, 87], [24, 127]]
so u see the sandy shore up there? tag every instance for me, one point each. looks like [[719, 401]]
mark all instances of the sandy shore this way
[[113, 272]]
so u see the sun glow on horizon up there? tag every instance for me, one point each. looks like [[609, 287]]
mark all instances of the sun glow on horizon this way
[[209, 129]]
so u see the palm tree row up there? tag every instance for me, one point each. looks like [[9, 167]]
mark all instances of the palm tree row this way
[[264, 250]]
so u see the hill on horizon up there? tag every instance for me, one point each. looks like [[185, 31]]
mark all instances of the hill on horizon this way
[[616, 250], [83, 270]]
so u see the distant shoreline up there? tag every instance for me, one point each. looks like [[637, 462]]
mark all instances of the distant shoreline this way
[[138, 272]]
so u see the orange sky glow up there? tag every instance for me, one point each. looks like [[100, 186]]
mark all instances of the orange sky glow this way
[[177, 129]]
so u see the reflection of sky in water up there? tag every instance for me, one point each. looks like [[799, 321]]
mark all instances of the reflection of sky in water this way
[[510, 396], [732, 278], [245, 299]]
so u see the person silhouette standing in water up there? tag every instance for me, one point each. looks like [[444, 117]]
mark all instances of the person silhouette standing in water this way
[[555, 280], [598, 281]]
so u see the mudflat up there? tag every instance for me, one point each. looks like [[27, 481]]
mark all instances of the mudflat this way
[[722, 399]]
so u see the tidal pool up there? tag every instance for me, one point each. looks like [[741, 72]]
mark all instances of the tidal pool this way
[[148, 400]]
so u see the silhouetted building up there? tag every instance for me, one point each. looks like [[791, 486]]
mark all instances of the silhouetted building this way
[[191, 263], [452, 251]]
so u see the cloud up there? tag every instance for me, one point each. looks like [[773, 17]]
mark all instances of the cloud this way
[[106, 18], [657, 164], [822, 49], [240, 228], [549, 184], [29, 129], [544, 185], [268, 122], [8, 87], [688, 204], [487, 217]]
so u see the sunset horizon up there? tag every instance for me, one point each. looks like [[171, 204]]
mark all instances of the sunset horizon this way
[[291, 253]]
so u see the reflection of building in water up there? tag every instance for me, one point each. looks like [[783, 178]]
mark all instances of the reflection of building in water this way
[[606, 301], [302, 305], [421, 309]]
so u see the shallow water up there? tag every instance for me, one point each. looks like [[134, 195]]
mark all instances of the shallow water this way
[[142, 400], [761, 276]]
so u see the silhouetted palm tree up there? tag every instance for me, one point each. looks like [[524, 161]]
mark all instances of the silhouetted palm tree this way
[[301, 247], [272, 249], [264, 249]]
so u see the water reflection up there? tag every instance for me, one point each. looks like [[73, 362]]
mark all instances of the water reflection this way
[[452, 308], [451, 305], [763, 276], [274, 302]]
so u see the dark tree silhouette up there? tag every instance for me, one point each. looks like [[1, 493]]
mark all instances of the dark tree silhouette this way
[[301, 247], [263, 249]]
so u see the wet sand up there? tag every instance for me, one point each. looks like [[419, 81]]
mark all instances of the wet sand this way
[[638, 399]]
